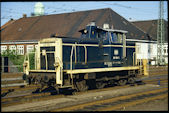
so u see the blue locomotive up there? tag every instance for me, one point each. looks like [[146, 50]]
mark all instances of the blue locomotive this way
[[99, 57]]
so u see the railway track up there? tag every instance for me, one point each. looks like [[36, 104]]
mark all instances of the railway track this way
[[29, 94], [134, 102], [18, 88], [34, 87], [18, 99], [5, 91], [28, 98], [9, 88], [103, 104], [158, 82], [118, 102]]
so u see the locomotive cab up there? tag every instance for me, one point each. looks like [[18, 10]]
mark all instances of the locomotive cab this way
[[106, 35]]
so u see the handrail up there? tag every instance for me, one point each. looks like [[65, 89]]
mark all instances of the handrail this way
[[71, 56], [35, 60], [71, 60], [85, 54], [61, 65], [75, 52], [26, 60], [46, 62], [134, 57]]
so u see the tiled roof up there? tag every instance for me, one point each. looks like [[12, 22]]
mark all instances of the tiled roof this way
[[67, 24], [6, 24], [150, 27]]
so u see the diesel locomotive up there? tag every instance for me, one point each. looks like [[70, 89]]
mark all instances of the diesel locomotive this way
[[98, 58]]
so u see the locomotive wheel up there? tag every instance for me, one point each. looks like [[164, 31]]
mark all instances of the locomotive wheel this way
[[57, 89], [45, 78], [122, 82], [37, 80], [131, 80], [100, 85], [81, 86]]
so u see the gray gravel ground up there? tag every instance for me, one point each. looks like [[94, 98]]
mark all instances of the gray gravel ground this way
[[156, 105]]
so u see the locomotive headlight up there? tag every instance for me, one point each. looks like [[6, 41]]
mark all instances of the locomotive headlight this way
[[85, 31]]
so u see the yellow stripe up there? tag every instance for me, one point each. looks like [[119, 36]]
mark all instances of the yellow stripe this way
[[96, 45], [42, 70], [100, 69]]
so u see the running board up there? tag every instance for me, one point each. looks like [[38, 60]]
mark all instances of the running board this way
[[76, 71]]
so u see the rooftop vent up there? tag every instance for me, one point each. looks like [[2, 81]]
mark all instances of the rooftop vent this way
[[106, 26], [92, 23]]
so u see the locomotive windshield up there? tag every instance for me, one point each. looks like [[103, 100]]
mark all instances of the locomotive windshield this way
[[47, 58], [116, 37], [111, 37], [102, 35]]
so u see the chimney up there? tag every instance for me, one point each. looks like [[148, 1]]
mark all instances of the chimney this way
[[106, 26], [24, 15]]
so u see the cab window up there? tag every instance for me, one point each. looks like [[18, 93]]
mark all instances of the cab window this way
[[114, 37]]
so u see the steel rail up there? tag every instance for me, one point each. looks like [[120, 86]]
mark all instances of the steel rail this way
[[133, 103], [24, 96], [48, 96], [29, 99], [81, 106], [93, 90], [38, 99], [18, 88]]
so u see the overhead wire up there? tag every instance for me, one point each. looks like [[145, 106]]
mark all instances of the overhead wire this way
[[54, 10]]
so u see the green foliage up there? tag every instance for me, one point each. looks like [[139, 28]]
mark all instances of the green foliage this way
[[14, 58], [32, 60]]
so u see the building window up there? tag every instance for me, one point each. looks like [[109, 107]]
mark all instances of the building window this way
[[138, 49], [30, 48], [165, 51], [150, 48], [3, 49], [12, 48], [20, 49]]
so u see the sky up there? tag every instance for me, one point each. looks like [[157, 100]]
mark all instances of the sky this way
[[130, 10]]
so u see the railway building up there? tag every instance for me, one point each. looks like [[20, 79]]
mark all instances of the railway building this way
[[23, 34], [150, 27]]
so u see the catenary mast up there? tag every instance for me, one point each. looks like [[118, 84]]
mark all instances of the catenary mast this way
[[160, 35]]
